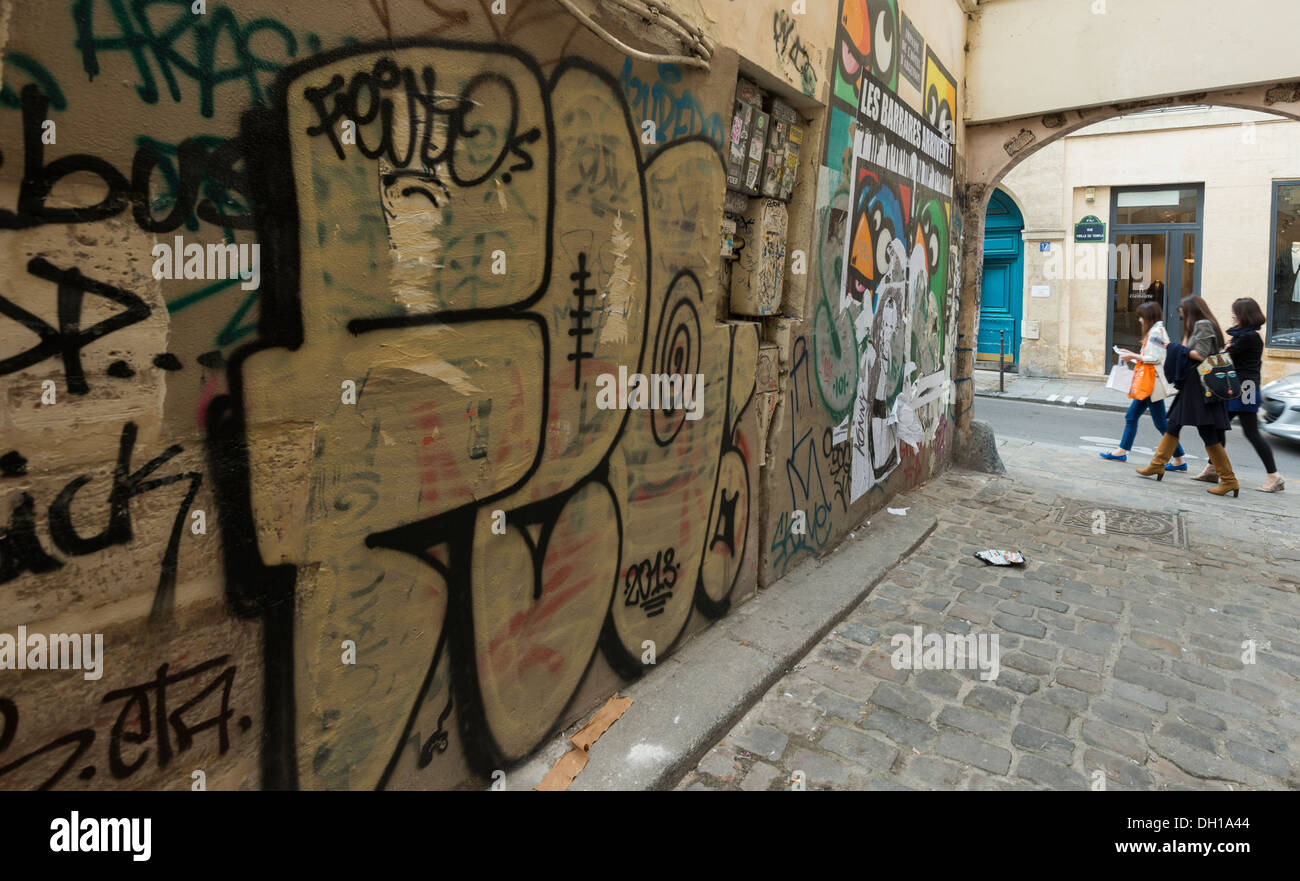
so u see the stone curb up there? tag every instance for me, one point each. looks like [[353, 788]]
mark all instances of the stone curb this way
[[1008, 396], [688, 703]]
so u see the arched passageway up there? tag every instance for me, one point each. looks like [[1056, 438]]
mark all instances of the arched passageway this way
[[993, 149]]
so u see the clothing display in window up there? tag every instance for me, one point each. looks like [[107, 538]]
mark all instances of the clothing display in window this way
[[1286, 288], [1295, 271]]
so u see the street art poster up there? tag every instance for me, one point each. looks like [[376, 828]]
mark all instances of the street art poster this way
[[896, 270], [940, 97], [866, 44]]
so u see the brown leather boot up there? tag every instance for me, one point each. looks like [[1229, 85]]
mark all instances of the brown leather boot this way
[[1164, 453], [1227, 480]]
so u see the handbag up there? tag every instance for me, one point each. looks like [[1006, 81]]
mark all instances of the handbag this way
[[1219, 378], [1121, 378], [1144, 382]]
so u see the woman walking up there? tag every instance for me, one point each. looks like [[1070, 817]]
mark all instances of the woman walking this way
[[1202, 339], [1247, 349], [1154, 339]]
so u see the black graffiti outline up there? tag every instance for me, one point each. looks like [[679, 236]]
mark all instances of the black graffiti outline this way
[[20, 548], [579, 317], [254, 589], [670, 329], [782, 31], [839, 455], [710, 607], [68, 339], [808, 476], [660, 578], [194, 161], [84, 738], [20, 544]]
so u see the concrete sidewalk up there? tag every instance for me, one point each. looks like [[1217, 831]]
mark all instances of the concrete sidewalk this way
[[1051, 390]]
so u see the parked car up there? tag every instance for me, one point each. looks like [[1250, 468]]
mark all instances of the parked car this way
[[1279, 407]]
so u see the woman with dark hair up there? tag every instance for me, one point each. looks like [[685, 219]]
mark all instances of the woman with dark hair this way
[[1152, 348], [1202, 338], [1247, 350]]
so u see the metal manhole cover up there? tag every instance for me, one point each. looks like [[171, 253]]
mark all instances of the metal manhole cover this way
[[1095, 519]]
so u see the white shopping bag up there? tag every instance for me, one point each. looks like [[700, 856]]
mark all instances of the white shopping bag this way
[[1121, 378]]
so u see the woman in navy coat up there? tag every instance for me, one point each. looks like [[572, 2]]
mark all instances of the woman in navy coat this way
[[1192, 406]]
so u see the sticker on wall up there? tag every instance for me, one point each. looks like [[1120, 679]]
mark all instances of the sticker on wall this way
[[911, 62]]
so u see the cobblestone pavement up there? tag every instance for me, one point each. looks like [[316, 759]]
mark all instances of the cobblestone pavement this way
[[1118, 654]]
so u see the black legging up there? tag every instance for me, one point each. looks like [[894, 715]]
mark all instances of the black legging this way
[[1209, 434], [1250, 425]]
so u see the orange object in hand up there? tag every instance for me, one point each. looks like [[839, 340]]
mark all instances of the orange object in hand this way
[[1144, 381]]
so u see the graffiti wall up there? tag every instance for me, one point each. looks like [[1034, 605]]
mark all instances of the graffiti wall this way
[[865, 408], [372, 405]]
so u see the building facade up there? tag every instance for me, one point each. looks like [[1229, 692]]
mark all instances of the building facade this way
[[1155, 205]]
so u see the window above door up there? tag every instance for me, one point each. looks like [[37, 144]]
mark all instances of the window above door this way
[[1158, 205]]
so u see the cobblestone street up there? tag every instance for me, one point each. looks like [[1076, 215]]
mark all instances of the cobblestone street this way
[[1119, 653]]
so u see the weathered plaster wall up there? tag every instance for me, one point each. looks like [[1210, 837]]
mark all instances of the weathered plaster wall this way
[[392, 445]]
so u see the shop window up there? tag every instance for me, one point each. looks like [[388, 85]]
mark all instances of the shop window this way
[[1284, 298], [1156, 206]]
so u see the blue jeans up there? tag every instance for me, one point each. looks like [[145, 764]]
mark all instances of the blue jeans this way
[[1135, 409]]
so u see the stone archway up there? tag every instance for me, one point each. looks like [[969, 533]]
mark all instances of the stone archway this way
[[994, 148]]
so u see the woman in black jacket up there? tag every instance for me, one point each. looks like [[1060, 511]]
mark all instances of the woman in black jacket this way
[[1202, 338], [1247, 351]]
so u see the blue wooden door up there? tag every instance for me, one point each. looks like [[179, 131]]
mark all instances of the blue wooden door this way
[[1002, 288]]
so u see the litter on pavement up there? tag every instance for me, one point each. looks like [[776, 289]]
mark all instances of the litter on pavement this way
[[1001, 558]]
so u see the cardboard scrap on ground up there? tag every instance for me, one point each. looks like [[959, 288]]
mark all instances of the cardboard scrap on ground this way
[[571, 763]]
